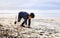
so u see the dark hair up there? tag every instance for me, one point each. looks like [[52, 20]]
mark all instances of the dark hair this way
[[32, 15]]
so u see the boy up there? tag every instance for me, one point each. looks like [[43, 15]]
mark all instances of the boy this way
[[26, 17]]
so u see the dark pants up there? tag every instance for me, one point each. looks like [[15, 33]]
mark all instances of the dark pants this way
[[19, 17]]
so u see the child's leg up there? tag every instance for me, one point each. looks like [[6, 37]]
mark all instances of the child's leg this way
[[19, 18]]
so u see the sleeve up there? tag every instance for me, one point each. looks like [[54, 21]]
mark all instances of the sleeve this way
[[29, 22]]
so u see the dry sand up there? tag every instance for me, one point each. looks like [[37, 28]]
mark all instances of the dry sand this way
[[40, 28]]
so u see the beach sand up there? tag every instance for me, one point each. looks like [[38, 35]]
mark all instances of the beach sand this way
[[40, 28]]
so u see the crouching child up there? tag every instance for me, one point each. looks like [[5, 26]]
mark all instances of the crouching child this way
[[26, 17]]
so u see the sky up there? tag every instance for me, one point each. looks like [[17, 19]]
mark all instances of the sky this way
[[44, 7]]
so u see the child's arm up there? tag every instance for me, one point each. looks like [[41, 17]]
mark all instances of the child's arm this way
[[29, 22]]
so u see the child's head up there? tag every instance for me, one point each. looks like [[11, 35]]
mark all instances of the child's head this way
[[32, 15]]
